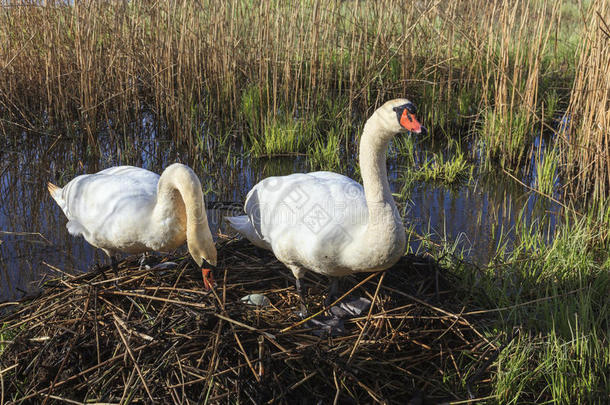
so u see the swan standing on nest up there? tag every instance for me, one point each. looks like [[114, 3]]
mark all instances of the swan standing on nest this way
[[132, 210], [328, 223]]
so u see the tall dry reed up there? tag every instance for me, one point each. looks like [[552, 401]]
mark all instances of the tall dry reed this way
[[99, 64], [587, 124], [204, 69], [518, 37]]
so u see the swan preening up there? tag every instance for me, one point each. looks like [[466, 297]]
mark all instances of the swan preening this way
[[132, 210], [328, 223]]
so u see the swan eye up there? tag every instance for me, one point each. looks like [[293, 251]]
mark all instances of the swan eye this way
[[406, 117], [410, 107]]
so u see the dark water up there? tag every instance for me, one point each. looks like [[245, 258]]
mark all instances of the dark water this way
[[34, 243]]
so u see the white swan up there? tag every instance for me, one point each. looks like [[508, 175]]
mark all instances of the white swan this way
[[328, 223], [132, 210]]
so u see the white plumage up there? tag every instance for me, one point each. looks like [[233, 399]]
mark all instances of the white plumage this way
[[305, 219], [132, 210], [326, 222]]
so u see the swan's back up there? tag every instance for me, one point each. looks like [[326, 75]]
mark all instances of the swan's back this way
[[306, 219], [110, 207]]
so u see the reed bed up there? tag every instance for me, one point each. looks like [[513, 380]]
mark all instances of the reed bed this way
[[154, 335], [246, 72], [586, 125]]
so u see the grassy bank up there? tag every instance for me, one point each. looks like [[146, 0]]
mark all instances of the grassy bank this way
[[551, 302]]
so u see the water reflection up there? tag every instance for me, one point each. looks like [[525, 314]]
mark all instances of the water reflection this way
[[478, 217], [35, 240]]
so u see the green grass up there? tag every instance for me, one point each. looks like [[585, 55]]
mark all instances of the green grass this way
[[280, 130], [546, 171], [507, 137], [325, 154], [274, 132], [281, 136], [546, 307], [442, 170], [253, 106], [550, 106], [450, 168], [6, 335], [554, 298]]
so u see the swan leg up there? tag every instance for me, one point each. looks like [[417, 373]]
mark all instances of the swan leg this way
[[298, 273], [303, 312], [349, 306], [142, 261], [115, 265], [332, 291], [331, 325], [97, 268]]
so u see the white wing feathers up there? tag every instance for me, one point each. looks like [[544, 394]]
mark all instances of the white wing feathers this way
[[306, 219]]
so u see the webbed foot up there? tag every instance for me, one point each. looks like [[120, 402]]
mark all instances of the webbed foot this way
[[331, 326], [350, 307]]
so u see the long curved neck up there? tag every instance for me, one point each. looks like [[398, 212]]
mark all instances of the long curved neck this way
[[373, 164], [383, 240], [179, 196], [373, 147]]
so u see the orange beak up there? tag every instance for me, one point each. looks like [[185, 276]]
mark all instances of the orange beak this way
[[208, 279], [409, 122]]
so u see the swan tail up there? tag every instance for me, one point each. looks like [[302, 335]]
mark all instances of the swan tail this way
[[243, 225], [55, 192]]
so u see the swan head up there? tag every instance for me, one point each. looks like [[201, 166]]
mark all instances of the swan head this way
[[202, 249], [399, 115]]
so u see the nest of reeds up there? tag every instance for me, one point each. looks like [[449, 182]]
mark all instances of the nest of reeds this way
[[154, 335]]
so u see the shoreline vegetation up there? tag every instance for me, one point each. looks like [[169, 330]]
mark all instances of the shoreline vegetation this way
[[518, 89], [241, 72]]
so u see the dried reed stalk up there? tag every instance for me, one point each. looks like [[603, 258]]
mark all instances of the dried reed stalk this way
[[586, 151], [155, 336]]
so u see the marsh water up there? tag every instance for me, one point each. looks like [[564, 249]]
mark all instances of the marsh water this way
[[477, 215]]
